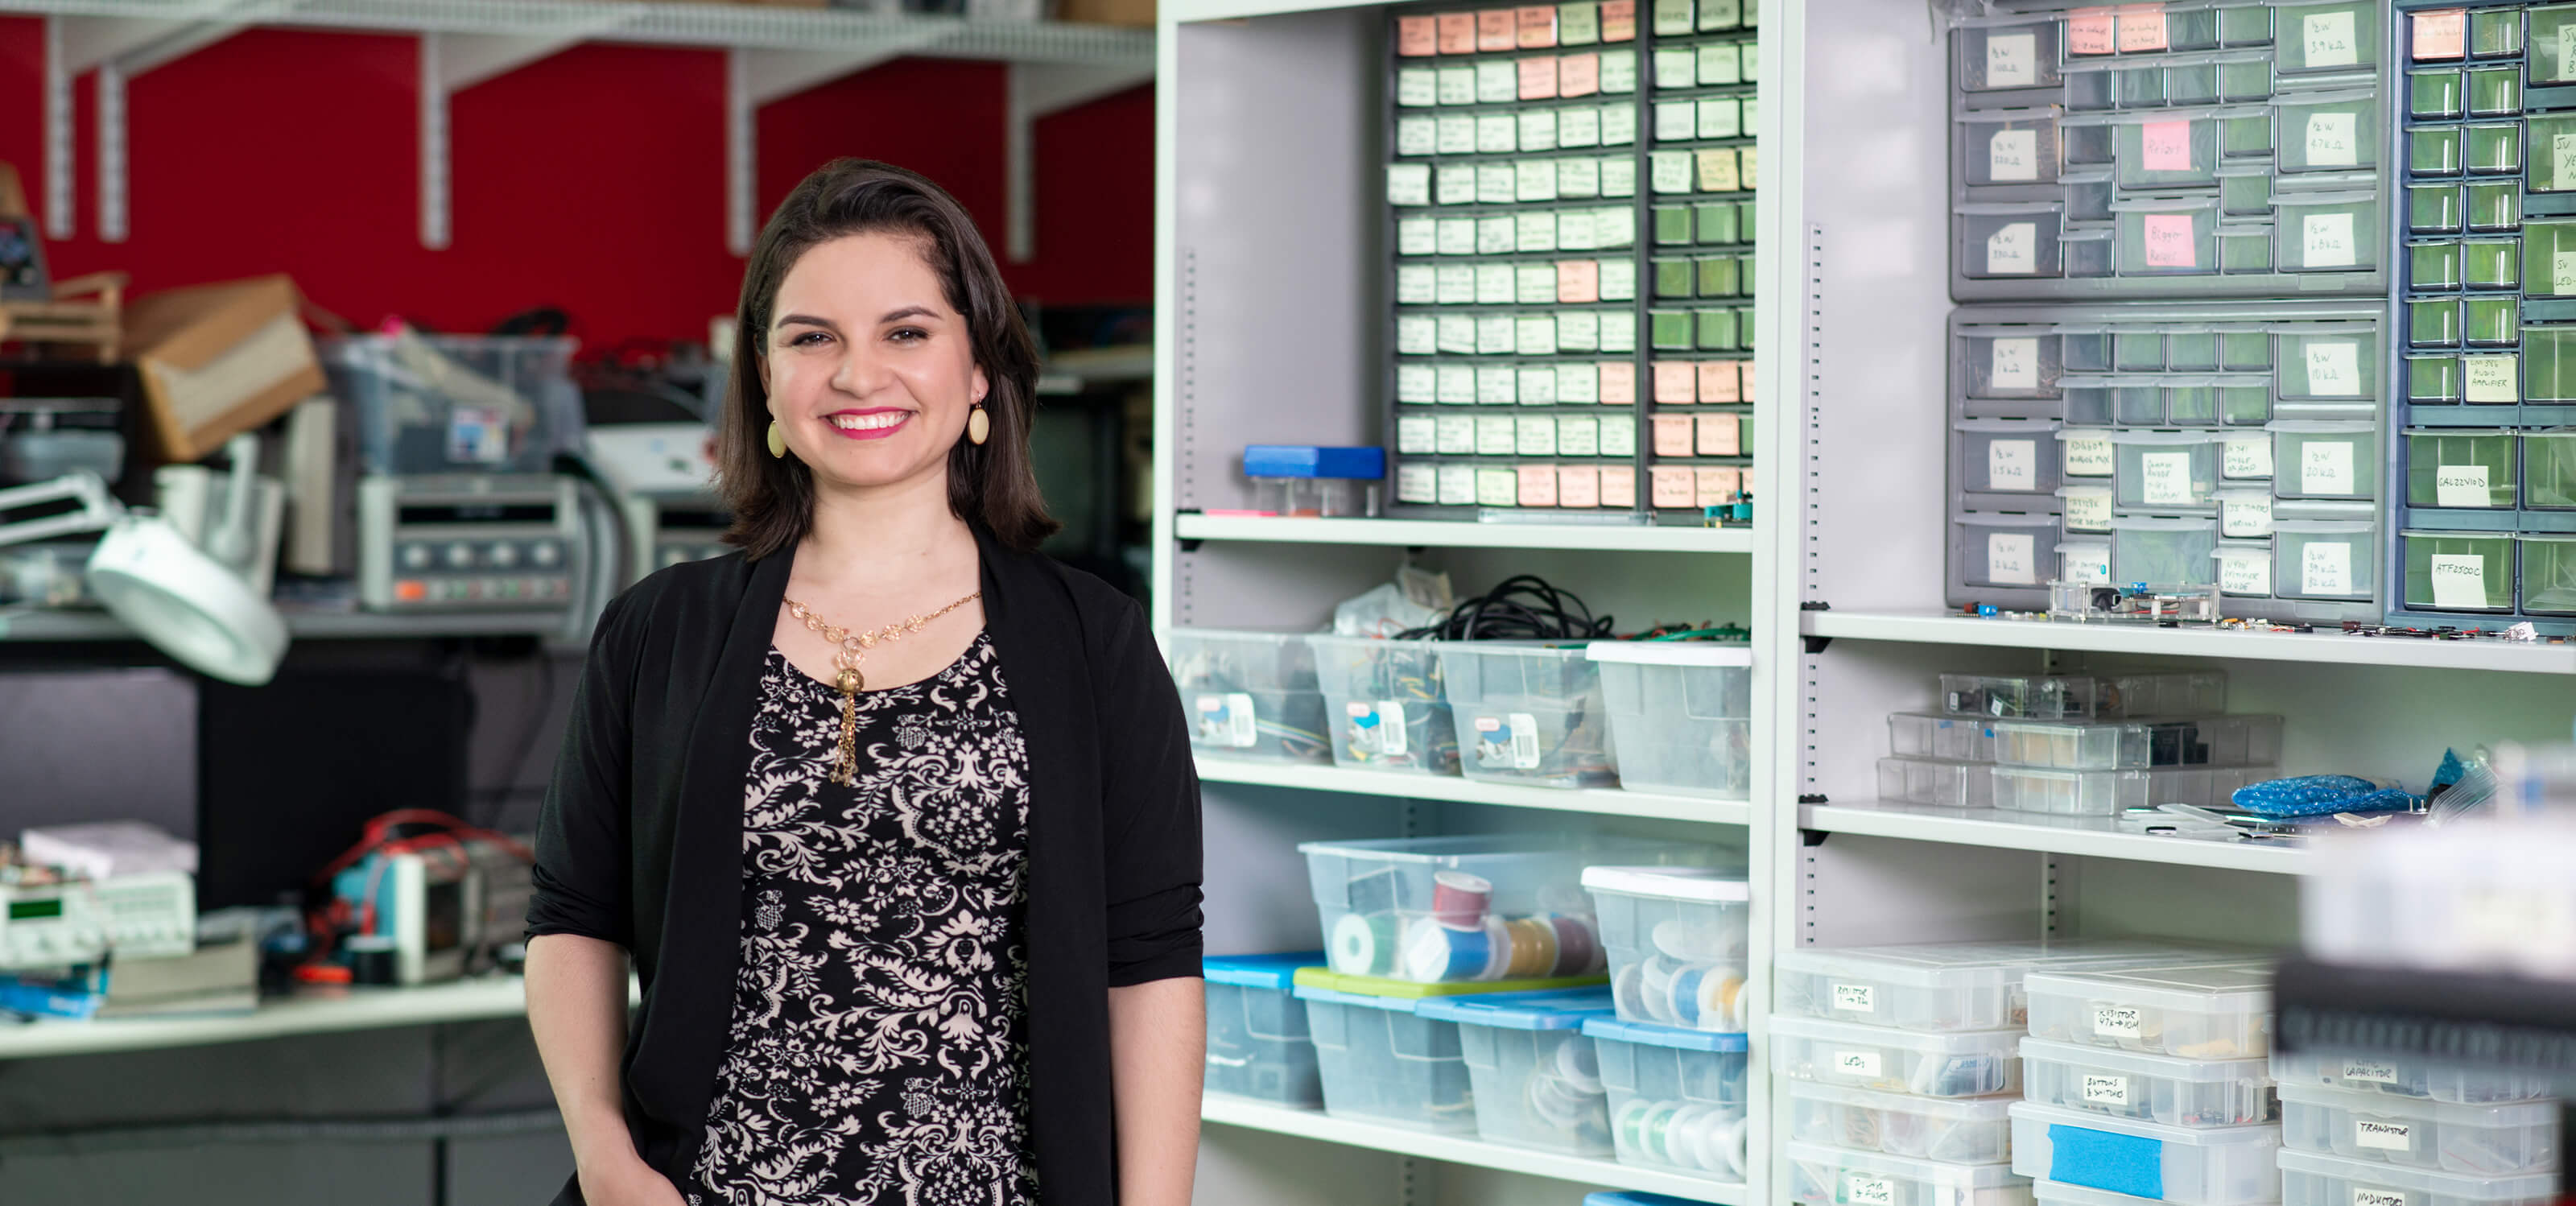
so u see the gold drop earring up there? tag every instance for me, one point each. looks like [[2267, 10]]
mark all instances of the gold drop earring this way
[[777, 440]]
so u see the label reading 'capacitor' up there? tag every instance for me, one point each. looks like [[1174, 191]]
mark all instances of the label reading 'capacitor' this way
[[2117, 1021], [1856, 1063], [2106, 1090], [1859, 1190], [2382, 1136], [1857, 998], [2366, 1072]]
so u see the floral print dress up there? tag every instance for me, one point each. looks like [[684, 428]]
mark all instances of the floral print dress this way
[[878, 1049]]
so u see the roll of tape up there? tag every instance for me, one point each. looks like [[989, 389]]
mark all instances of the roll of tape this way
[[1682, 993], [1578, 1063], [1533, 948], [1629, 1128], [1363, 945], [1561, 1105], [1628, 994], [1657, 994], [1578, 945], [1733, 1146], [1435, 954], [1459, 898], [1719, 1000], [1686, 1135]]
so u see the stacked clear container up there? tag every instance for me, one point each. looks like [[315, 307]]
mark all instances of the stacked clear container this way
[[1384, 1057], [1677, 1097], [1681, 715], [1471, 908], [2151, 1082], [2486, 532], [2384, 1127], [2077, 745], [1258, 1045], [1384, 704], [1528, 713], [1535, 1076], [1899, 1064], [1249, 694], [1677, 940]]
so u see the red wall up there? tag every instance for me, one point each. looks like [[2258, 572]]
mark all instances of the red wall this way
[[592, 180]]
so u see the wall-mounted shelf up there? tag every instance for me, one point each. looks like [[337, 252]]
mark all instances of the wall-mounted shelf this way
[[1607, 801], [39, 625], [1455, 1149], [2319, 647], [1429, 533], [2097, 837]]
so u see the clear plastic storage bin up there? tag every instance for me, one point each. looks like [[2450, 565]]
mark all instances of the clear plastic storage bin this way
[[2047, 1192], [2407, 1077], [1681, 715], [1380, 1061], [1676, 937], [2325, 558], [2147, 1088], [1528, 713], [2163, 550], [1968, 1063], [2107, 793], [1249, 694], [2472, 1140], [2203, 1011], [2216, 741], [1469, 908], [1384, 704], [2003, 548], [2085, 696], [2007, 456], [2165, 470], [2548, 573], [2313, 1179], [1677, 1097], [1973, 1130], [1834, 1176], [436, 404], [1937, 987], [2457, 571], [2458, 467], [1936, 782], [2008, 241], [1926, 735], [1537, 1082], [2216, 1166], [2324, 458], [1257, 1042]]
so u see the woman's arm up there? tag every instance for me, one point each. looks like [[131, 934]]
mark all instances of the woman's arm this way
[[1157, 1059], [577, 1010]]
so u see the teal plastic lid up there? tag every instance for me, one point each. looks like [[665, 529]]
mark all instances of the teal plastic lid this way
[[1274, 972], [1562, 1009], [1661, 1036]]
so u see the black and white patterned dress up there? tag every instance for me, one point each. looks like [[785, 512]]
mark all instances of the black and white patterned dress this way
[[878, 1053]]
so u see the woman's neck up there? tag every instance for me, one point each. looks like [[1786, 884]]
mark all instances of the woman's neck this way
[[886, 540]]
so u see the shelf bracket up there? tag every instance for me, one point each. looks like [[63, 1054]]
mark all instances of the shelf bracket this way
[[118, 49], [453, 62], [756, 77], [1039, 90]]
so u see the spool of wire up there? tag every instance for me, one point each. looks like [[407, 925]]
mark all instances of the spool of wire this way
[[1363, 945]]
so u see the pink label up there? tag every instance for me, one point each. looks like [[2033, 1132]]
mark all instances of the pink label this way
[[1719, 436], [1537, 26], [1578, 75], [1416, 37], [1618, 382], [2168, 145], [2088, 31], [1538, 78], [2169, 241], [2441, 35], [1578, 280], [1457, 33], [1619, 24], [1578, 486], [1672, 436], [1674, 486], [1495, 29], [1618, 482], [1538, 485], [2142, 27], [1674, 383], [1715, 487], [1717, 382]]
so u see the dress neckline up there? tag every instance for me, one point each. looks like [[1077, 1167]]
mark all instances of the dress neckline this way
[[953, 667]]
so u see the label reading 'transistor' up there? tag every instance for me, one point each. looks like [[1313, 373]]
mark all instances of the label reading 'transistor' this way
[[2382, 1136]]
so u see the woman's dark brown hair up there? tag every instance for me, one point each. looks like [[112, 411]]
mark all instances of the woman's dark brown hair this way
[[990, 485]]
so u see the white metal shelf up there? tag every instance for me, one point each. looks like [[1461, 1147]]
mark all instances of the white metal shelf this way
[[51, 625], [1434, 533], [353, 1009], [1609, 801], [2097, 837], [2318, 647], [1454, 1149]]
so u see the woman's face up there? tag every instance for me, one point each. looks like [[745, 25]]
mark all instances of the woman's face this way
[[870, 373]]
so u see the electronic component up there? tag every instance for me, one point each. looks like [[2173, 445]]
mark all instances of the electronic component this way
[[444, 899], [469, 542], [69, 921], [2137, 603], [665, 486]]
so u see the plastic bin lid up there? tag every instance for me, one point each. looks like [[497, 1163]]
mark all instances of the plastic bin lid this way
[[1859, 1035], [1403, 996], [2083, 1195], [1653, 1035], [2367, 1101], [2260, 1134], [1628, 1197], [1935, 964], [1671, 883], [2148, 1063], [1559, 1009], [2245, 985], [1948, 1109], [2541, 1186], [1979, 1175], [1274, 972], [1672, 653]]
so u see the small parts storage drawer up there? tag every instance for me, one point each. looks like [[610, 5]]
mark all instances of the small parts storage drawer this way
[[1974, 1063], [2471, 1140], [2147, 1088], [1971, 1130], [2314, 1179], [2219, 1166], [2402, 1077], [1833, 1176], [2205, 1011], [1257, 1040], [1677, 941], [2085, 696], [1940, 987], [1677, 1097], [1250, 694]]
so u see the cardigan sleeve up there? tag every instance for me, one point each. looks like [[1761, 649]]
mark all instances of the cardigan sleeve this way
[[581, 880], [1150, 796]]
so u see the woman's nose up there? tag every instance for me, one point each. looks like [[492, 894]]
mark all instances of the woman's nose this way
[[859, 373]]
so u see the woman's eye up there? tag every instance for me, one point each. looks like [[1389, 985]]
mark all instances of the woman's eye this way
[[807, 339], [908, 335]]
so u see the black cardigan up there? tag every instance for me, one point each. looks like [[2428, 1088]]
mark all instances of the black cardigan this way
[[641, 841]]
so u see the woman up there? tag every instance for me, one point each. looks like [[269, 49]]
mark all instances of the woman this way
[[896, 816]]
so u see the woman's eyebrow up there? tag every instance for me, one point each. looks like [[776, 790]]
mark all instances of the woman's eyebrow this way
[[909, 312], [788, 320]]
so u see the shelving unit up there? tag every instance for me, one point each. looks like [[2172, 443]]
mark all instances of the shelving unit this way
[[41, 625], [1419, 533], [1606, 801], [1451, 1149]]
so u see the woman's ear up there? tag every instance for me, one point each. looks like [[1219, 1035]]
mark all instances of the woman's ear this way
[[982, 386]]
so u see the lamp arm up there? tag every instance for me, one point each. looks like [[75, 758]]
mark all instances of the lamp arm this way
[[94, 510]]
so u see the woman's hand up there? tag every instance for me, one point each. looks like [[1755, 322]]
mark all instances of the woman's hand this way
[[626, 1181]]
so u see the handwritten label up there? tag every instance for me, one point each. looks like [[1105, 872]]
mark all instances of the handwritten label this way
[[1414, 434], [1577, 383], [1415, 37], [1416, 136], [2013, 250], [2089, 31], [2142, 28], [2087, 510], [2246, 456], [1534, 27], [2167, 146], [1534, 335], [1535, 435], [1534, 232], [1618, 432], [2377, 1197], [2167, 479], [1416, 383], [1538, 78], [2329, 40], [2245, 516], [2440, 35], [1577, 485], [1534, 180], [1618, 20], [2492, 379], [2117, 1021], [2012, 156], [1456, 183], [1454, 435], [2088, 563], [2106, 1090], [1717, 170], [1496, 488], [2247, 575], [1618, 124], [1459, 85], [2325, 241], [1457, 385], [2566, 55], [1672, 435], [2333, 140], [2325, 568], [1720, 382], [1416, 87], [2012, 465], [1496, 82], [1578, 24], [1669, 171], [1720, 435], [2562, 148], [1578, 435], [1417, 484], [1458, 334], [2169, 241], [1578, 75], [1536, 130], [1716, 63], [2014, 364], [2459, 581], [2366, 1071], [2325, 467], [2562, 272], [1457, 285], [1672, 16], [1408, 184], [1861, 1063], [2012, 60], [1718, 117], [2334, 365], [2382, 1136], [1860, 1190], [1495, 29], [2010, 561], [2088, 456], [1578, 280], [1494, 285], [1856, 998], [1457, 33], [1495, 435], [2461, 486]]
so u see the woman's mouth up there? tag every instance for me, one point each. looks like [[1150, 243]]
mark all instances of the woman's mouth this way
[[868, 424]]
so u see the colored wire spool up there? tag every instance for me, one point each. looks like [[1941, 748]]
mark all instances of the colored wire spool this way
[[1628, 994], [1578, 1063], [1438, 954], [1533, 948], [1578, 946], [1363, 945], [1459, 899], [1656, 984]]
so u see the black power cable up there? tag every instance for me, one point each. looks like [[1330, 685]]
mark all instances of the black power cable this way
[[1523, 607]]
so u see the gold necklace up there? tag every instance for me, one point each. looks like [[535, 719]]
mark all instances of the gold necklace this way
[[849, 652]]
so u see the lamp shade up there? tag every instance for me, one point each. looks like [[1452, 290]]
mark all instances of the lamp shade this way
[[185, 603]]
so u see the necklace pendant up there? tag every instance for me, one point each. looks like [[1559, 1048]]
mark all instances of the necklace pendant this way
[[849, 682]]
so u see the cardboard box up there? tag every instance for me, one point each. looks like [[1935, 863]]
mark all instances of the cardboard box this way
[[1108, 12], [216, 360]]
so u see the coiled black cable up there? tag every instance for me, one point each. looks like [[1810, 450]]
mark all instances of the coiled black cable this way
[[1523, 607]]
